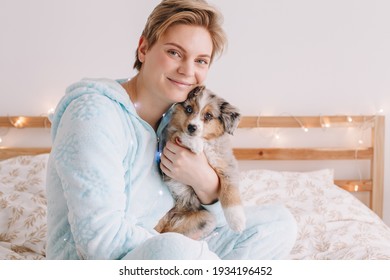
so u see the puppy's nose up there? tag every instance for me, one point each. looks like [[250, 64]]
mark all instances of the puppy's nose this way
[[191, 128]]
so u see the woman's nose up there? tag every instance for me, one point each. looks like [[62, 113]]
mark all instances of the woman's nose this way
[[186, 68]]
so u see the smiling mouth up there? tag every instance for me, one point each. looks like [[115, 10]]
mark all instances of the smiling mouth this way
[[181, 84]]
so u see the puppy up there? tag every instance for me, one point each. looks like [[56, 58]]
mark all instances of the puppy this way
[[203, 122]]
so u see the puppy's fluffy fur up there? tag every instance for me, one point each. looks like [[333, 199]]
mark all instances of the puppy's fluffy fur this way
[[202, 123]]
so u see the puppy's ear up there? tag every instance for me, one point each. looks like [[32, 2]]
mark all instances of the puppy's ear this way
[[195, 92], [230, 117]]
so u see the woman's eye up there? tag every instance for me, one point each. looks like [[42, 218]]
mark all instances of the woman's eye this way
[[174, 53], [208, 117], [202, 61], [189, 109]]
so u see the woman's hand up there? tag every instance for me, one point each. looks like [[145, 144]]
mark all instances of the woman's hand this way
[[191, 169]]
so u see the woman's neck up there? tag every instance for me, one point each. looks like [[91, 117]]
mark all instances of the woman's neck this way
[[147, 106]]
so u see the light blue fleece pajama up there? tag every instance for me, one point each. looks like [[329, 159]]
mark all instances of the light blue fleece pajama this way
[[105, 193], [270, 234]]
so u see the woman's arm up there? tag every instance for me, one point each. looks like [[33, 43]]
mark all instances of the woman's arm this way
[[88, 153]]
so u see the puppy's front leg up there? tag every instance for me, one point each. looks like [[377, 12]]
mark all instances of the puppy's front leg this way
[[195, 144], [231, 203]]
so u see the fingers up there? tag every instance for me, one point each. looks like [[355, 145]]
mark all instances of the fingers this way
[[170, 151], [166, 165], [175, 153], [173, 158], [182, 165], [174, 147], [168, 157]]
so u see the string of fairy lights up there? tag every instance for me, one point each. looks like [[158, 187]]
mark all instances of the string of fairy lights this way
[[325, 124], [21, 121]]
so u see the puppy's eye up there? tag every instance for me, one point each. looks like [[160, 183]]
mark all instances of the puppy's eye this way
[[208, 117], [188, 109]]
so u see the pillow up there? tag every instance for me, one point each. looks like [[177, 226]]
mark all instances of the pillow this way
[[289, 188], [23, 206], [332, 223]]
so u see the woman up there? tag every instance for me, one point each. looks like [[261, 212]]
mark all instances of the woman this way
[[105, 194]]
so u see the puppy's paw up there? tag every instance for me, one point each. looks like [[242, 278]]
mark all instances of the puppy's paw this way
[[235, 216], [195, 144]]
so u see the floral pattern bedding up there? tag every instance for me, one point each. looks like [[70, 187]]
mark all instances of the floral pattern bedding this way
[[23, 207], [332, 223]]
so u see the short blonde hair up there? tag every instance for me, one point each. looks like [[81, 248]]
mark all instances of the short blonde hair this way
[[190, 12]]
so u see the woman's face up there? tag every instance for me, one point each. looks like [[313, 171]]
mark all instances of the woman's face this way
[[176, 63]]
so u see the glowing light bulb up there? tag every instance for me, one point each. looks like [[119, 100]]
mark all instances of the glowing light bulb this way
[[305, 129], [356, 188], [360, 141], [349, 119], [19, 123], [50, 111]]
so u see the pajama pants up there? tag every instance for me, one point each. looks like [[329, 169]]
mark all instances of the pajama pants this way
[[270, 234]]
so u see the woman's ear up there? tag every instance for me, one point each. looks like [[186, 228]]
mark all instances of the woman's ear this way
[[142, 49]]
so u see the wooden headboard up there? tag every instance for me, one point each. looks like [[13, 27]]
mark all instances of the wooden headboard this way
[[374, 153], [12, 122]]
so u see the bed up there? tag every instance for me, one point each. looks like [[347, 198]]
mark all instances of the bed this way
[[333, 223]]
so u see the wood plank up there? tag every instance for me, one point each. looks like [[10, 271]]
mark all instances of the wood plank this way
[[299, 121], [25, 122], [6, 153], [301, 154], [355, 185], [377, 165], [246, 121]]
